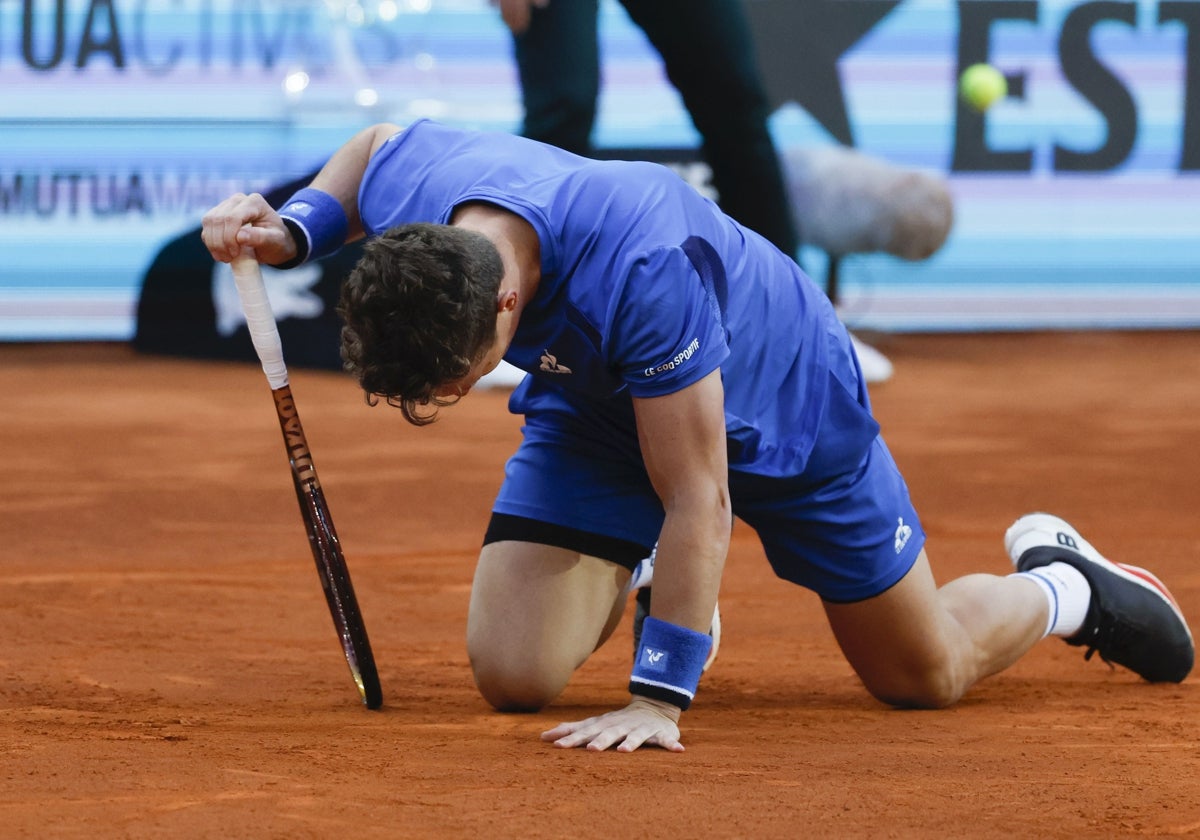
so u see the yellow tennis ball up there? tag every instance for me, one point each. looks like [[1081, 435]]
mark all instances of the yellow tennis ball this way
[[981, 85]]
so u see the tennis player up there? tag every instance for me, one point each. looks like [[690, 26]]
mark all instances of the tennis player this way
[[682, 371]]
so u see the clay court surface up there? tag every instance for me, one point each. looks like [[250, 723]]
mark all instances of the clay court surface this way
[[169, 669]]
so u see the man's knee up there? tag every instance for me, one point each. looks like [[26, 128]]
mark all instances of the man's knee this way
[[513, 681], [934, 686]]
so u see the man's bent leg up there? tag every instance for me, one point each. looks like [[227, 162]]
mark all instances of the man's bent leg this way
[[537, 612], [919, 646]]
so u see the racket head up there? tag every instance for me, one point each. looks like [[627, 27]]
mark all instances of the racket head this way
[[327, 553], [340, 596]]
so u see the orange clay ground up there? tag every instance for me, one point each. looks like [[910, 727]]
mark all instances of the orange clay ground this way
[[168, 668]]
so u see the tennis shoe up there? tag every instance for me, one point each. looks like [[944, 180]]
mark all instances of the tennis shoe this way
[[642, 609], [1132, 620]]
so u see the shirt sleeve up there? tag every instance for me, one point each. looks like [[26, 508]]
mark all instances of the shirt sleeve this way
[[667, 328]]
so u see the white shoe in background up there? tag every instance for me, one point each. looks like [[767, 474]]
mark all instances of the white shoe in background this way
[[504, 376], [876, 367]]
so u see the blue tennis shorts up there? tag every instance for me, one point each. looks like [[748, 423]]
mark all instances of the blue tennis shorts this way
[[848, 533]]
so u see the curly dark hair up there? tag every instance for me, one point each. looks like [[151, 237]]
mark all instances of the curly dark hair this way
[[418, 311]]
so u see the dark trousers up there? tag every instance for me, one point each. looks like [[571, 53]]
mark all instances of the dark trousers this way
[[708, 52]]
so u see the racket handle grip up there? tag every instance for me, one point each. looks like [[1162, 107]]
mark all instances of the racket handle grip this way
[[259, 319]]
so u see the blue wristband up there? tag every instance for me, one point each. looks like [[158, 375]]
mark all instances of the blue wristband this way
[[669, 662], [318, 224]]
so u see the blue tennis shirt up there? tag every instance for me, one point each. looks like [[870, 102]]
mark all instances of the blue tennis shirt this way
[[646, 286]]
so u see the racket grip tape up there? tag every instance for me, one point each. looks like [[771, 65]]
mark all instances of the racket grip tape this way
[[259, 319]]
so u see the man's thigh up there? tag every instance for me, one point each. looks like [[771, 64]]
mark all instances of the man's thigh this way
[[901, 643], [536, 613], [847, 538], [579, 467]]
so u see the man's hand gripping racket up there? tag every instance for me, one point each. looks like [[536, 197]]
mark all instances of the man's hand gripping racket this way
[[327, 552]]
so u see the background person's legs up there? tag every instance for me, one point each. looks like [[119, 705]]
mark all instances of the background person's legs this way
[[558, 59], [709, 54]]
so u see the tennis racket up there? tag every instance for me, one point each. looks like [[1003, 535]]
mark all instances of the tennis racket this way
[[322, 538]]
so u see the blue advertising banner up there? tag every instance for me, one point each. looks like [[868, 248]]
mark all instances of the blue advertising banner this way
[[1076, 196]]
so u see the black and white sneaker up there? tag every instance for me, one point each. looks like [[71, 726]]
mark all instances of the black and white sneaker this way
[[1132, 621], [642, 609]]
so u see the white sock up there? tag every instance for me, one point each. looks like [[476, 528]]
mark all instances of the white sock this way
[[1068, 593], [643, 573]]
